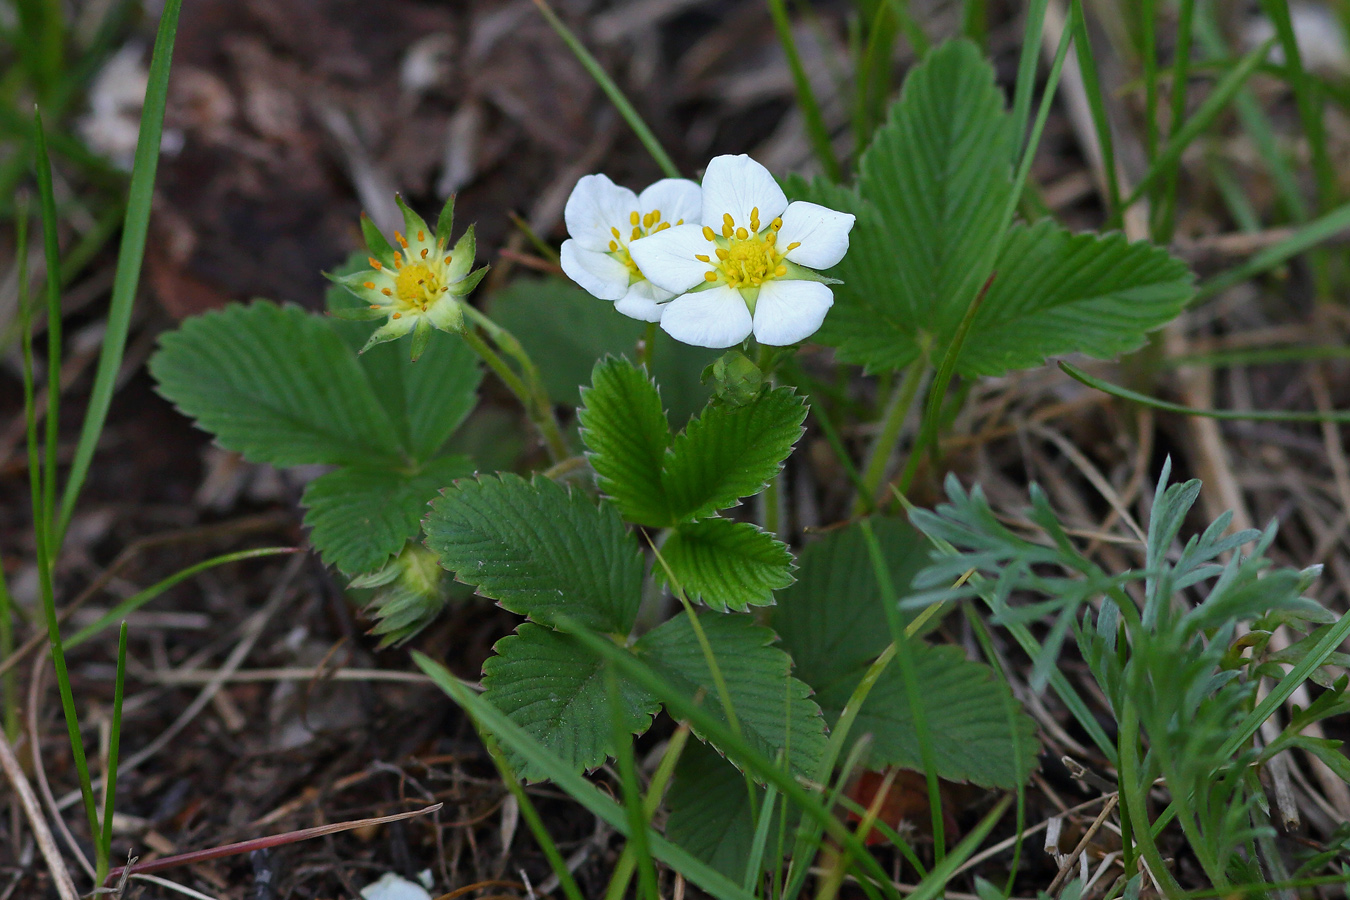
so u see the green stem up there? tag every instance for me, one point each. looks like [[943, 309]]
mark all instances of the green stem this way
[[52, 259], [879, 457], [1132, 793], [532, 397], [646, 347], [103, 847], [817, 132]]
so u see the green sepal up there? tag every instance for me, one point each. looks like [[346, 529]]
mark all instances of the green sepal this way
[[445, 222], [390, 331], [421, 337], [412, 222], [469, 282], [376, 243], [462, 255], [802, 273]]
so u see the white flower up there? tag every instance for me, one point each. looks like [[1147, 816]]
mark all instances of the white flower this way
[[604, 220], [747, 267]]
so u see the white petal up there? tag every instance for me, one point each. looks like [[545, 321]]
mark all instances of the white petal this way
[[821, 231], [595, 206], [644, 301], [676, 198], [600, 274], [667, 258], [737, 185], [714, 318], [790, 311]]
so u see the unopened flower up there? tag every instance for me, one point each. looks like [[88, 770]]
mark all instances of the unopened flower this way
[[605, 220], [747, 268], [417, 282]]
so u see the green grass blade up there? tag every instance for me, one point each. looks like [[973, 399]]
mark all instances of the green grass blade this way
[[1258, 356], [1307, 99], [51, 249], [633, 802], [129, 257], [616, 96], [816, 131], [581, 790], [1304, 238], [975, 21], [104, 848], [1101, 123], [1026, 72], [933, 886], [736, 747], [1341, 417], [1209, 110], [1148, 52], [140, 598], [1167, 210]]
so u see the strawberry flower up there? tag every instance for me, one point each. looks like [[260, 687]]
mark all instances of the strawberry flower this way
[[605, 221], [748, 267], [417, 283]]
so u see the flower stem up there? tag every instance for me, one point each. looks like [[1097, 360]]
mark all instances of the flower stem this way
[[879, 457], [645, 347], [532, 397]]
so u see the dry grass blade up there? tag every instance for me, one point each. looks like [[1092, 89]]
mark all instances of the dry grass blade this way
[[275, 840], [65, 887]]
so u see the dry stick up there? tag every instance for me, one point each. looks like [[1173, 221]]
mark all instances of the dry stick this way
[[252, 631], [65, 887], [262, 843], [40, 770], [1072, 858], [245, 676]]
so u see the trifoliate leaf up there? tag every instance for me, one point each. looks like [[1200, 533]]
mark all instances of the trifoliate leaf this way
[[709, 812], [565, 330], [549, 684], [729, 452], [624, 427], [774, 711], [359, 516], [930, 197], [278, 385], [832, 621], [725, 564], [540, 549], [979, 732]]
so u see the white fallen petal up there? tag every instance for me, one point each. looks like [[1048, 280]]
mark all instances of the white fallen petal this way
[[644, 301], [790, 311], [595, 206], [821, 232], [714, 318], [667, 258], [599, 274], [738, 185], [394, 887], [676, 198]]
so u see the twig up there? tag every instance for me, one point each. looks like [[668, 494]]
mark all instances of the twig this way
[[40, 770], [65, 887], [246, 676], [1072, 858]]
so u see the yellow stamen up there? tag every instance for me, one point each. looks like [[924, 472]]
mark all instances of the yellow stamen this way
[[402, 241], [613, 246], [662, 227], [368, 285], [421, 235], [754, 219], [776, 223], [637, 233], [424, 252], [709, 276], [374, 263], [387, 292], [792, 246], [374, 306], [397, 315], [708, 235], [701, 258], [741, 234], [634, 218], [398, 260], [447, 260], [780, 271], [722, 254]]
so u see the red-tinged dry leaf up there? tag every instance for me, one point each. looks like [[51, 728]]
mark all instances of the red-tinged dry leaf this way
[[905, 801]]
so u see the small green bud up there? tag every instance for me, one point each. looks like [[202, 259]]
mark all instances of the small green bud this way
[[736, 379], [411, 591]]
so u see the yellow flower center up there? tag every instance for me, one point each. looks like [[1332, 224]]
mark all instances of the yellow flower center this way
[[746, 257], [417, 285], [641, 226]]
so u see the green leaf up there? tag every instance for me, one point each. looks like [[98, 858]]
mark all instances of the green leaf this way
[[709, 811], [832, 620], [359, 516], [935, 182], [624, 427], [929, 199], [774, 711], [1057, 293], [276, 384], [729, 452], [427, 399], [566, 330], [540, 549], [980, 733], [726, 564], [556, 690]]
